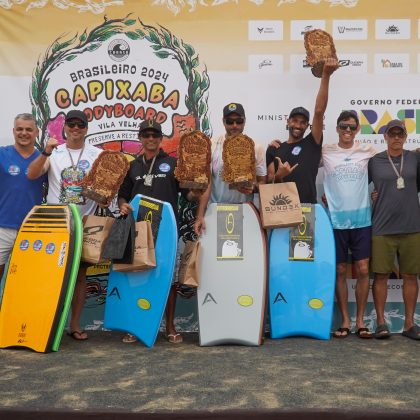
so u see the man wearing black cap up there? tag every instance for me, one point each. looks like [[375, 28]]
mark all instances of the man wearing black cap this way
[[297, 159], [395, 174], [67, 164], [152, 174], [218, 190]]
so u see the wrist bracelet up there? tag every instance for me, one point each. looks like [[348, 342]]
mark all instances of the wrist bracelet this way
[[45, 153]]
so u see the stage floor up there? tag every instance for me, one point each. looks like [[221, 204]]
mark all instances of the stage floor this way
[[103, 374]]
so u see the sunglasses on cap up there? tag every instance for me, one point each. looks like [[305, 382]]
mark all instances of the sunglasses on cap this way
[[353, 127], [79, 124], [154, 135], [231, 121]]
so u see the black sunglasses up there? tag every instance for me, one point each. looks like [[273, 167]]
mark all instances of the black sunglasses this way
[[394, 134], [73, 124], [154, 135], [353, 127], [238, 121]]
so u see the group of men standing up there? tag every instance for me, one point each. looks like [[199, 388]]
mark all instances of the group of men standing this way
[[391, 229]]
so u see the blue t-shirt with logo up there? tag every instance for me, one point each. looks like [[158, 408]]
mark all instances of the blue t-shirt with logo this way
[[18, 194]]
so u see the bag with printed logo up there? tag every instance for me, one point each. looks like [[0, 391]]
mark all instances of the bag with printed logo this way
[[280, 205], [96, 228]]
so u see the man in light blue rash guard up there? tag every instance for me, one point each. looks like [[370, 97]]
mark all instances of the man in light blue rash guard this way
[[346, 190]]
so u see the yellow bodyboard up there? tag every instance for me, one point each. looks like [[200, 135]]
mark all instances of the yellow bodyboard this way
[[36, 279]]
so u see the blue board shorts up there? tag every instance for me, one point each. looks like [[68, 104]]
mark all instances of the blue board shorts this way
[[358, 241]]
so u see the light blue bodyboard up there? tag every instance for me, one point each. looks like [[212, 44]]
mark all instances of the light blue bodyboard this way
[[301, 293], [136, 301]]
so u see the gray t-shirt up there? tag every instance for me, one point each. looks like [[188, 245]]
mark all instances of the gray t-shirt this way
[[396, 211]]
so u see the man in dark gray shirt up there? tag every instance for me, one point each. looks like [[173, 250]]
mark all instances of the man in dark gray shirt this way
[[396, 225]]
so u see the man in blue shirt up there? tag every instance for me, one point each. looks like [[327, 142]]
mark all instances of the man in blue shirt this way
[[18, 194]]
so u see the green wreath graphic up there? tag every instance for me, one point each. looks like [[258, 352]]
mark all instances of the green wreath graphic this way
[[162, 41]]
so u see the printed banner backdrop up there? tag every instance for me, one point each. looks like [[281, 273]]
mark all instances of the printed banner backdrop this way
[[122, 61]]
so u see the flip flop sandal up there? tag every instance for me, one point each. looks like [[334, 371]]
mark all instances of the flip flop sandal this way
[[129, 338], [342, 330], [413, 332], [364, 333], [77, 335], [174, 338], [382, 332]]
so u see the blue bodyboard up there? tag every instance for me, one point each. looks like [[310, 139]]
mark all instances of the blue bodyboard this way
[[301, 293], [136, 301]]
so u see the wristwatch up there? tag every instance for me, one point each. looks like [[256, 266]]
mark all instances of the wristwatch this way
[[45, 153]]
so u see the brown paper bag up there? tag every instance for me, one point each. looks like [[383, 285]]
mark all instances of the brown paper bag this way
[[144, 250], [95, 233], [280, 205], [189, 267]]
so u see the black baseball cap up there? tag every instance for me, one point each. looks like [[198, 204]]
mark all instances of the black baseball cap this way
[[233, 108], [150, 125], [76, 115], [300, 110], [396, 123]]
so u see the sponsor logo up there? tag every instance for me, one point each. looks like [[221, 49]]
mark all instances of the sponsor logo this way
[[24, 245], [306, 29], [280, 203], [118, 50], [164, 167], [392, 63], [299, 27], [62, 254], [50, 248], [84, 164], [265, 30], [388, 63], [209, 298], [393, 29], [296, 150], [350, 29], [279, 298], [230, 223], [355, 63], [265, 63], [115, 292], [14, 170], [37, 246], [280, 199]]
